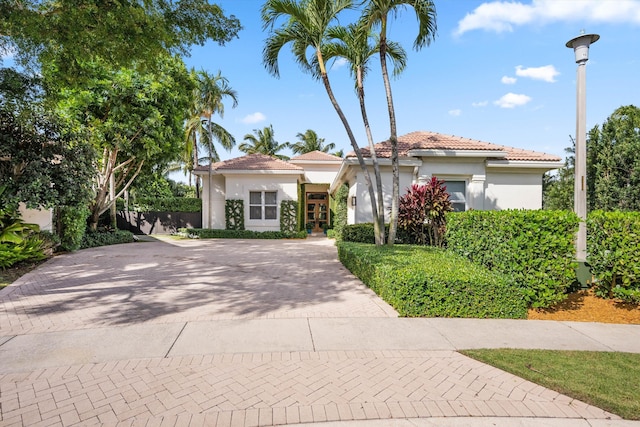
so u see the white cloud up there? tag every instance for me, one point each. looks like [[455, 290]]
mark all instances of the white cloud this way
[[546, 73], [338, 63], [512, 100], [508, 80], [7, 53], [501, 16], [254, 118], [455, 113], [480, 104]]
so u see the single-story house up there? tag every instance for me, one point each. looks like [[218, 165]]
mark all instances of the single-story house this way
[[478, 175]]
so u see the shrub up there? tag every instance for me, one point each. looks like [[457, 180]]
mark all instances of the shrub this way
[[209, 233], [19, 241], [102, 237], [359, 233], [71, 222], [166, 204], [534, 248], [340, 217], [289, 216], [613, 239], [234, 214], [432, 282], [421, 215]]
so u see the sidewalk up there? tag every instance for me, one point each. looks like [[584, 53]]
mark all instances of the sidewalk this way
[[183, 333]]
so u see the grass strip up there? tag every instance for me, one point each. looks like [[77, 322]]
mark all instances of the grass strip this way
[[607, 380]]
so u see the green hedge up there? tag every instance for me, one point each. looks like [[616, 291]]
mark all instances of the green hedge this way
[[93, 239], [534, 247], [613, 239], [168, 204], [208, 233], [432, 282], [71, 225]]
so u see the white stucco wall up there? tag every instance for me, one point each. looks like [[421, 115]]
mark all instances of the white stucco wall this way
[[362, 212], [320, 174], [216, 220], [42, 217], [509, 190], [238, 187]]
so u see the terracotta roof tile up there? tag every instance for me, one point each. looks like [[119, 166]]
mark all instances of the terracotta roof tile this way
[[437, 141], [317, 155], [252, 162]]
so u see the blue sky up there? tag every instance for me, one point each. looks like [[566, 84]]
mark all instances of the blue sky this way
[[497, 71]]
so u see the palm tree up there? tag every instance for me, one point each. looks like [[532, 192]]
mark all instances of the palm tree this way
[[352, 43], [308, 142], [376, 14], [200, 130], [263, 142], [304, 26]]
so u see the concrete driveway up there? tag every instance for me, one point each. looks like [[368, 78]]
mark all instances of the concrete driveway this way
[[172, 281]]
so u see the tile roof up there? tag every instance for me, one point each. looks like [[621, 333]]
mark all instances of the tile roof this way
[[423, 140], [317, 155], [252, 162]]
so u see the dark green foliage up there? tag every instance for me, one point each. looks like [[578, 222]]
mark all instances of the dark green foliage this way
[[167, 204], [534, 248], [71, 224], [613, 242], [301, 206], [105, 237], [613, 163], [421, 215], [41, 162], [432, 282], [208, 233], [288, 216], [340, 209], [234, 214], [359, 233]]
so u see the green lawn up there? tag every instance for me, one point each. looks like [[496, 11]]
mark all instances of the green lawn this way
[[610, 381]]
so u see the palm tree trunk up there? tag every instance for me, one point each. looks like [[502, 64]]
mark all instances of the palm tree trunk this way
[[356, 149], [393, 139], [378, 223]]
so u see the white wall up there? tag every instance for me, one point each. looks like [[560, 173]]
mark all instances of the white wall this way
[[238, 187], [216, 219], [320, 174], [42, 217], [519, 190]]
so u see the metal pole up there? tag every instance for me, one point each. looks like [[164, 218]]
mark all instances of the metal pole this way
[[580, 185]]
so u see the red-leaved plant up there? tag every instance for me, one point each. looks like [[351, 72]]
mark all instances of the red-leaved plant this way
[[421, 216]]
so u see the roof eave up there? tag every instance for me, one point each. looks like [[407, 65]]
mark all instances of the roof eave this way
[[526, 164]]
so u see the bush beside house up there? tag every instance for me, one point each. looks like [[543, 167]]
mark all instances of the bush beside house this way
[[613, 239], [432, 282], [534, 247]]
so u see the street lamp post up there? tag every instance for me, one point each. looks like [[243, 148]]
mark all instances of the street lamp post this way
[[580, 46]]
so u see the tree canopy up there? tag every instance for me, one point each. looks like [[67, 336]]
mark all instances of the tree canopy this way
[[310, 141], [68, 32], [134, 120], [613, 166], [41, 162], [263, 142]]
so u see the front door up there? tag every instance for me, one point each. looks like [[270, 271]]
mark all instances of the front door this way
[[317, 210]]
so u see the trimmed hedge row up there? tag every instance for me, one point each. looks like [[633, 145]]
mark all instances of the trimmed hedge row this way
[[168, 204], [432, 282], [533, 247], [613, 239], [94, 239], [208, 233]]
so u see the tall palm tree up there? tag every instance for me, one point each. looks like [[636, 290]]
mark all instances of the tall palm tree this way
[[309, 141], [304, 25], [376, 15], [352, 43], [263, 142], [200, 130]]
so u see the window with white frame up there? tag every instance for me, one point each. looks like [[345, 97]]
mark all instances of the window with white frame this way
[[263, 205], [457, 195]]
